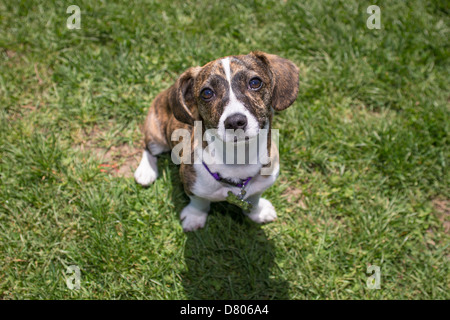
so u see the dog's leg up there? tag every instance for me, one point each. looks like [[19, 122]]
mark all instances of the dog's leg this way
[[263, 211], [194, 215], [147, 172]]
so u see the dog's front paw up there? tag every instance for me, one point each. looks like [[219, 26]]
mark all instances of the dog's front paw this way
[[264, 212], [147, 172], [192, 218], [145, 176]]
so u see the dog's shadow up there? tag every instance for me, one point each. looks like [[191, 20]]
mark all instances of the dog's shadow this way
[[231, 258]]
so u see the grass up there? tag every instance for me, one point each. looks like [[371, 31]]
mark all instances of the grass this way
[[364, 152]]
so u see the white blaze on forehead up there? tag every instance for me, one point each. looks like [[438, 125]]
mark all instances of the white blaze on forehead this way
[[227, 68], [235, 106]]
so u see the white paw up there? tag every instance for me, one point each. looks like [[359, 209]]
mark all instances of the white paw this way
[[265, 212], [192, 218], [147, 172]]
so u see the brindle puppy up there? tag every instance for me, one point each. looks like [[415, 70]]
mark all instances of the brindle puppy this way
[[235, 96]]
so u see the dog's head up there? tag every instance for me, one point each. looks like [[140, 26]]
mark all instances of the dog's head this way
[[235, 92]]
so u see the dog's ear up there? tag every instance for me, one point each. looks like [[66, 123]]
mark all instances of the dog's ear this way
[[284, 74], [182, 99]]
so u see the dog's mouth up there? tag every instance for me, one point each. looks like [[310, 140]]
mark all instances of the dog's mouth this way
[[237, 140], [239, 137], [246, 139]]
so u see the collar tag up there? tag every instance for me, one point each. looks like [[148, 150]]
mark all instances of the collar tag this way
[[238, 200]]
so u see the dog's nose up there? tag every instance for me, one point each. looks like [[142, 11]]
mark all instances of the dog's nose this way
[[236, 121]]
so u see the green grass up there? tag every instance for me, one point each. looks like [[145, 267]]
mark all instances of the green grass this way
[[364, 152]]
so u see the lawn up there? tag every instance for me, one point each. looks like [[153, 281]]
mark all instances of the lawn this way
[[364, 152]]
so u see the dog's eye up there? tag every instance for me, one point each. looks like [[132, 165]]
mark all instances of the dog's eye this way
[[255, 83], [207, 94]]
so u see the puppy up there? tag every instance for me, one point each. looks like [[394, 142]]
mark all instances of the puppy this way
[[235, 98]]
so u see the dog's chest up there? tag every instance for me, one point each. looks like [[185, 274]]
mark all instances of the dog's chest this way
[[205, 186]]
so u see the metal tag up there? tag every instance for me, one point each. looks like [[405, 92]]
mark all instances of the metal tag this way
[[238, 200]]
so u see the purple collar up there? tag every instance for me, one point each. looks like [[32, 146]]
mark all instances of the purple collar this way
[[217, 176]]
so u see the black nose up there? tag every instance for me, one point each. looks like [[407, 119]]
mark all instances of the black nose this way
[[236, 121]]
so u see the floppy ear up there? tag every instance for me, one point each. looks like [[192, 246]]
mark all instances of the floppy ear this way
[[182, 99], [284, 79]]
